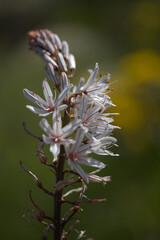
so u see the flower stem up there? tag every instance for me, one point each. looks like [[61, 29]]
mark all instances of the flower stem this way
[[57, 235], [58, 195]]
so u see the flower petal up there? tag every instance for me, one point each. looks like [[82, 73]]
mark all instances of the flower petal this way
[[62, 107], [33, 97], [90, 162], [55, 149], [46, 139], [63, 94], [57, 122], [92, 78], [83, 106], [108, 140], [78, 140], [71, 127], [48, 93], [80, 83], [67, 141], [78, 169], [39, 111], [46, 126]]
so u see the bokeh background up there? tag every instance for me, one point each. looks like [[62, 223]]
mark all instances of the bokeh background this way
[[124, 37]]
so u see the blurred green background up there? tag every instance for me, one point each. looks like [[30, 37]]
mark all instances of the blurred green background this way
[[124, 37]]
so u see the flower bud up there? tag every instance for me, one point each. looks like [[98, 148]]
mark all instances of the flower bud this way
[[40, 42], [72, 62], [48, 59], [65, 50], [50, 47], [64, 83], [61, 63], [49, 69], [57, 42]]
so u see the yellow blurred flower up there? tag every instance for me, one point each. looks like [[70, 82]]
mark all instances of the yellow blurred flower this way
[[138, 77], [141, 67], [131, 113]]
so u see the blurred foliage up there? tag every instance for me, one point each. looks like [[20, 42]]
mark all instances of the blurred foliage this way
[[123, 36]]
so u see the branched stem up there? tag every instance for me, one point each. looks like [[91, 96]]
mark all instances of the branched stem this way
[[31, 134]]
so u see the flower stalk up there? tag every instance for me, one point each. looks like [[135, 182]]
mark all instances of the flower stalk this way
[[58, 195], [80, 128], [59, 177]]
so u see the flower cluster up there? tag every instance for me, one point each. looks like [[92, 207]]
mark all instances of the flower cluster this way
[[89, 128]]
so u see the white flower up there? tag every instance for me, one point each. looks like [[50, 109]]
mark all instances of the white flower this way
[[50, 104], [77, 155], [75, 101], [103, 124], [57, 135], [96, 90], [101, 145], [89, 115], [94, 121]]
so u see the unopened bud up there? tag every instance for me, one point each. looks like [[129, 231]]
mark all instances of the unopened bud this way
[[43, 34], [48, 59], [50, 47], [40, 42], [65, 50], [57, 42], [49, 69], [61, 63], [64, 82], [72, 62]]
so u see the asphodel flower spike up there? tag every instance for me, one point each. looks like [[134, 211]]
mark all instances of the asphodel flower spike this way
[[77, 127]]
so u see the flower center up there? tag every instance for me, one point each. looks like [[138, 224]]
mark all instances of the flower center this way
[[56, 139], [73, 156], [51, 109], [85, 123]]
